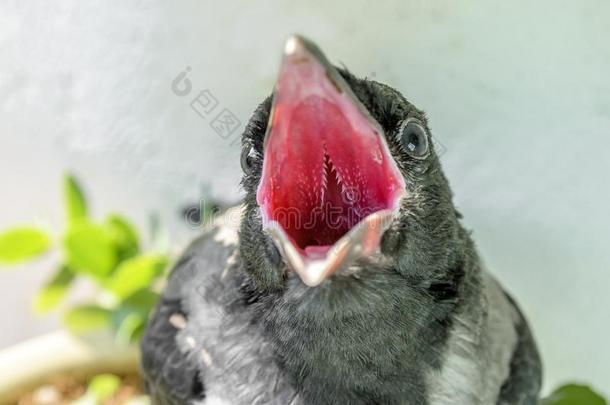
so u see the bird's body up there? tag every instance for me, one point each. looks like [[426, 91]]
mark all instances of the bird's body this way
[[224, 352], [418, 321]]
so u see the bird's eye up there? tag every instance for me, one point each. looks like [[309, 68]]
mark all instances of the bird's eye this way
[[247, 158], [413, 138]]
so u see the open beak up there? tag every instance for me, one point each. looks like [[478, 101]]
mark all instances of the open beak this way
[[329, 187]]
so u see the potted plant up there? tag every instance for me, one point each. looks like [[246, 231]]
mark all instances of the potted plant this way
[[94, 360]]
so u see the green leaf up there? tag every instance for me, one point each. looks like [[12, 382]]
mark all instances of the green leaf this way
[[124, 235], [76, 204], [136, 273], [54, 291], [88, 318], [132, 315], [22, 244], [131, 329], [573, 394], [103, 386], [143, 300], [90, 249]]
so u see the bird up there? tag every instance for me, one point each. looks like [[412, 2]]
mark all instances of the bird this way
[[346, 275]]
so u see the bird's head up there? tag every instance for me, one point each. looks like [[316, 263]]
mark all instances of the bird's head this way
[[340, 172]]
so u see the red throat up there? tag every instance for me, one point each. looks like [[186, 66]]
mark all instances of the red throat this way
[[326, 163]]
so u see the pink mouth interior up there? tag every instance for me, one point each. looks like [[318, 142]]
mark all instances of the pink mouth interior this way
[[326, 166]]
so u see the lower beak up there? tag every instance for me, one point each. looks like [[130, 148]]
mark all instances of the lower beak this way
[[362, 240]]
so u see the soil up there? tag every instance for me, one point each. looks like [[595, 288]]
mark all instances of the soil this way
[[62, 390]]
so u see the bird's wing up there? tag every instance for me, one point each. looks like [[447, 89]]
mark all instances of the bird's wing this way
[[171, 375], [203, 345], [523, 384], [484, 337], [172, 369]]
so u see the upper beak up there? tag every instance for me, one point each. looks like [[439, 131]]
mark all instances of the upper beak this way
[[316, 121], [299, 50]]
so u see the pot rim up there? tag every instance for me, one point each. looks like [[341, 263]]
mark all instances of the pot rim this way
[[27, 365]]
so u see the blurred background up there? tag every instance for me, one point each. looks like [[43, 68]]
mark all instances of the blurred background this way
[[517, 93]]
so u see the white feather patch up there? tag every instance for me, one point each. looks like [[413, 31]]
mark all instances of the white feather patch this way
[[478, 354], [227, 226]]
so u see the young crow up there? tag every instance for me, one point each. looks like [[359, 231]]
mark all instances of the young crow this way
[[346, 277]]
